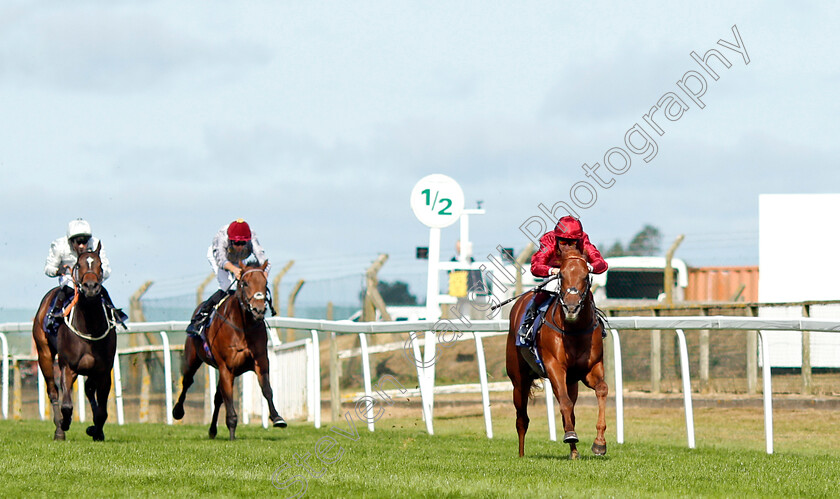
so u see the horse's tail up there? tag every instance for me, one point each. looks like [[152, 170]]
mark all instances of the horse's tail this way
[[531, 387]]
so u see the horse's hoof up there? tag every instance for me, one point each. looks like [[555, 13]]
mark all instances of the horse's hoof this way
[[59, 436], [66, 417], [570, 438], [97, 434], [178, 412], [574, 455], [279, 422], [599, 450], [212, 433]]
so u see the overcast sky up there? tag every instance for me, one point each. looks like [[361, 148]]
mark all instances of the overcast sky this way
[[159, 122]]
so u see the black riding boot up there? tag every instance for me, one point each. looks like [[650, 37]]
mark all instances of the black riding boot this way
[[200, 318], [61, 296], [525, 328], [119, 315], [57, 311]]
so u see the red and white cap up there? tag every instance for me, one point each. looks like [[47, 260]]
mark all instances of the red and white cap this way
[[239, 230]]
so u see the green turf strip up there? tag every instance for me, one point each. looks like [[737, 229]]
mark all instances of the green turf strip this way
[[401, 460]]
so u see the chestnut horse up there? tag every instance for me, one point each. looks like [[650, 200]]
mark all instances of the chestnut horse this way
[[86, 343], [571, 347], [238, 342]]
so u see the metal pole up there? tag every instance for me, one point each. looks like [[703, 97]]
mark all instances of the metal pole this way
[[118, 395], [768, 392], [418, 363], [316, 375], [482, 377], [366, 374], [167, 376], [619, 389], [5, 375], [80, 386], [686, 382], [42, 386], [549, 407]]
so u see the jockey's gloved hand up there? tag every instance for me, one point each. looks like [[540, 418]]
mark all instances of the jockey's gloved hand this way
[[589, 266]]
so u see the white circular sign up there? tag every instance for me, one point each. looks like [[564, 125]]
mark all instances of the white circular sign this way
[[437, 201]]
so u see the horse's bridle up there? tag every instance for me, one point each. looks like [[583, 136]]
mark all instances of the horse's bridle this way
[[561, 293], [77, 279], [259, 295]]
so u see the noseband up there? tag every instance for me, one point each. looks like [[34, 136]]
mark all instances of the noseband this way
[[76, 268], [561, 293], [259, 295]]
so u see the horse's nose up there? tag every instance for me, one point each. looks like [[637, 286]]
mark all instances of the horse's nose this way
[[90, 287], [572, 310]]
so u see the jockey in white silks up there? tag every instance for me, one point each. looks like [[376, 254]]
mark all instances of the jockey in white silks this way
[[233, 243], [64, 253]]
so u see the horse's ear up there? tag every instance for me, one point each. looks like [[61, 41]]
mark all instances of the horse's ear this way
[[98, 247], [264, 265], [242, 264]]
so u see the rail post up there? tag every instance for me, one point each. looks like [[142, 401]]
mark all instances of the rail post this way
[[167, 375], [5, 375]]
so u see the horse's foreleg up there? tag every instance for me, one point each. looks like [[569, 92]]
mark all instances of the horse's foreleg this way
[[217, 404], [190, 366], [68, 378], [90, 393], [557, 376], [102, 389], [226, 389], [572, 390], [262, 372], [595, 380]]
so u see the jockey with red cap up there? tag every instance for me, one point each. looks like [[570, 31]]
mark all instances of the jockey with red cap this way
[[546, 262], [233, 243]]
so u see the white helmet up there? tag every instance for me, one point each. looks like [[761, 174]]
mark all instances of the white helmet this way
[[78, 227]]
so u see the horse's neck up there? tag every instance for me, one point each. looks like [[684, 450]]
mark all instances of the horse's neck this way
[[91, 313], [237, 314]]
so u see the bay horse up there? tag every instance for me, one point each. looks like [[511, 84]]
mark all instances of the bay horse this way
[[571, 346], [85, 344], [237, 342]]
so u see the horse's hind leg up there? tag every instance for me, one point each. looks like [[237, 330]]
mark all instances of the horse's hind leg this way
[[261, 370], [191, 364], [595, 380], [521, 391], [52, 374], [102, 388]]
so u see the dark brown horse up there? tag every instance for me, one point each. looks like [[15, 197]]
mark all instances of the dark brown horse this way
[[238, 342], [85, 344], [571, 347]]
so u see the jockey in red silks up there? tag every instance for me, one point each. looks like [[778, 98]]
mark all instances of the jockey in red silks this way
[[233, 243], [546, 262]]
